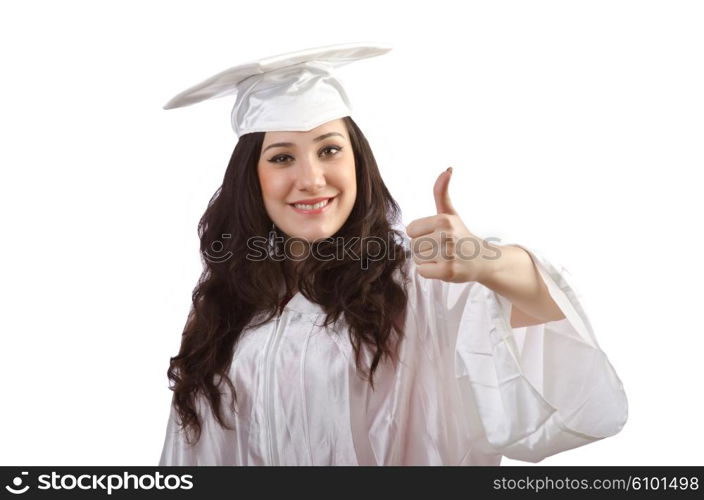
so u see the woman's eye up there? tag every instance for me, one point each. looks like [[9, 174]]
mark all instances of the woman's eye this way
[[335, 148], [276, 159]]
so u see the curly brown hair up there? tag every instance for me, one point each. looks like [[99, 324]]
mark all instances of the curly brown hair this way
[[232, 290]]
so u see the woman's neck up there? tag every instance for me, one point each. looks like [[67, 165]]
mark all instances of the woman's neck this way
[[291, 269]]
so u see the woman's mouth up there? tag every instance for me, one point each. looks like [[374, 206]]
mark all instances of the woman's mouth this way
[[313, 208]]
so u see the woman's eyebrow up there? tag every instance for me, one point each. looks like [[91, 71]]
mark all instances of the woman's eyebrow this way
[[287, 144]]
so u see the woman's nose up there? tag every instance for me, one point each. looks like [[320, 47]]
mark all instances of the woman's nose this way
[[311, 176]]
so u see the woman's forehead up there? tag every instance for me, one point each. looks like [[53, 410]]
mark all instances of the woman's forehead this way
[[333, 128]]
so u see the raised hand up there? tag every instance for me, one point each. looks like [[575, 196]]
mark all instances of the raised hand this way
[[442, 246]]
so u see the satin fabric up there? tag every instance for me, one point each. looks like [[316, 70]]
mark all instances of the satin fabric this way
[[293, 91], [469, 388]]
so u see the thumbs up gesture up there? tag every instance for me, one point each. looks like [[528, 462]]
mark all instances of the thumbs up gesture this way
[[442, 246]]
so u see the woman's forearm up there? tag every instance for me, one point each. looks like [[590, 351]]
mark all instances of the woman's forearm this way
[[514, 276]]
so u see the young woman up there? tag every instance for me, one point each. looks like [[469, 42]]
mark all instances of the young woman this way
[[323, 333]]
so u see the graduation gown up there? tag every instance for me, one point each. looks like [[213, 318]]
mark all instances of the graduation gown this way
[[468, 390]]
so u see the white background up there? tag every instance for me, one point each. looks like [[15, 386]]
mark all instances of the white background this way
[[573, 127]]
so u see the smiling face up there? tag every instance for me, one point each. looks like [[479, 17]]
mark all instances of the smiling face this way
[[308, 180]]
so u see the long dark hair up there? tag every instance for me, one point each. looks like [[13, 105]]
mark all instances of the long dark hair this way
[[233, 289]]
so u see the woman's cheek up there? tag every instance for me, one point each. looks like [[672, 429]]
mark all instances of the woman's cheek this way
[[272, 185]]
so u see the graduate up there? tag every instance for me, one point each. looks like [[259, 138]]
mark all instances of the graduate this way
[[324, 332]]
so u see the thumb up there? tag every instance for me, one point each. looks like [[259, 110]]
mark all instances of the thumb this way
[[442, 196]]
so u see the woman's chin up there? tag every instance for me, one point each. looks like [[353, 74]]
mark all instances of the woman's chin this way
[[311, 237], [310, 232]]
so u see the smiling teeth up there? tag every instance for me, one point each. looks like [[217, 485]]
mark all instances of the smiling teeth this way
[[311, 207]]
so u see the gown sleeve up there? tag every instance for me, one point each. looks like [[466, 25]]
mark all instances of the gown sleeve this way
[[175, 450], [211, 449], [537, 390]]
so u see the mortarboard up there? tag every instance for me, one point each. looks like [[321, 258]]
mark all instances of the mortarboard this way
[[295, 91]]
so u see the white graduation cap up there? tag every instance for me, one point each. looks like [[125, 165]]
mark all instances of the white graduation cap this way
[[295, 91]]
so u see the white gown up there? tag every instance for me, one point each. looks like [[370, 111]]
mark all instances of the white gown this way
[[469, 389]]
